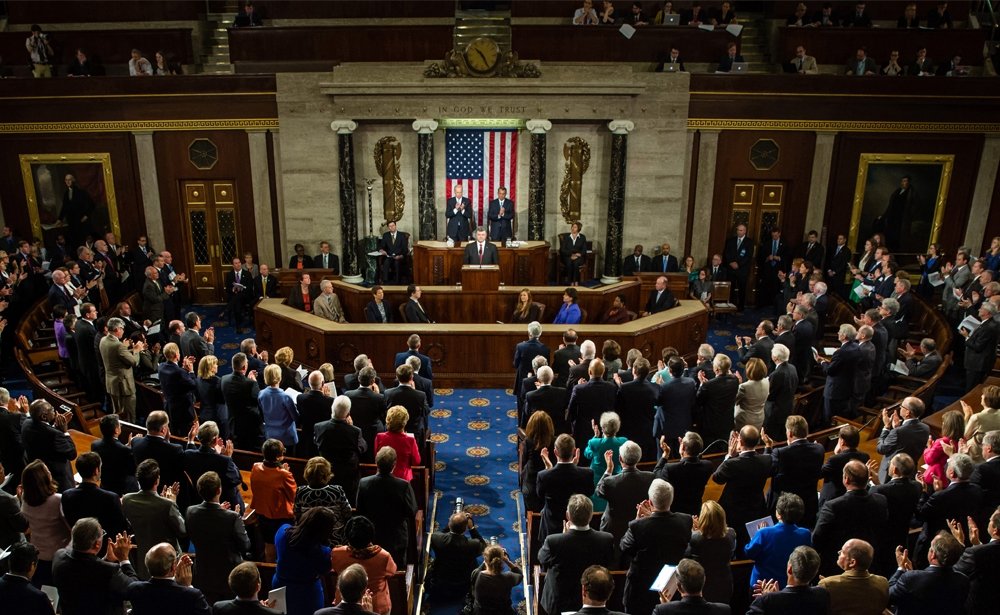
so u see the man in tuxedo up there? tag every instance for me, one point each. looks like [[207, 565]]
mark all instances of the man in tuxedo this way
[[177, 381], [389, 503], [840, 374], [501, 217], [565, 555], [688, 475], [856, 514], [727, 61], [902, 432], [169, 588], [44, 437], [368, 410], [568, 351], [155, 518], [459, 215], [743, 475], [239, 288], [980, 563], [623, 491], [655, 537], [798, 596], [939, 588], [413, 311], [664, 262], [981, 346], [557, 483], [244, 583], [415, 402], [837, 260], [738, 256], [480, 251], [89, 500], [413, 350], [637, 262], [314, 406], [832, 471], [393, 248], [715, 400], [342, 444], [525, 352], [773, 258], [660, 298], [240, 390], [549, 398], [265, 285], [760, 347], [573, 252], [796, 467], [675, 403], [589, 400], [352, 586], [88, 584], [219, 537]]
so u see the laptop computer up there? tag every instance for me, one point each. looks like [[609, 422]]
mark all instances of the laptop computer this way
[[739, 67], [671, 20], [789, 67], [671, 68]]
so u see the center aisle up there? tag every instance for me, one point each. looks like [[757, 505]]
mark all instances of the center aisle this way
[[476, 435]]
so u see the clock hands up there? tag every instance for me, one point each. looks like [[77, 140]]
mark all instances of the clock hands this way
[[481, 55]]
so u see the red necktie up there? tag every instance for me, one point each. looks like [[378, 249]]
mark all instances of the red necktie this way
[[480, 254]]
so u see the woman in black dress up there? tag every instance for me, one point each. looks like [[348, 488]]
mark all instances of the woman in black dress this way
[[539, 434], [713, 544]]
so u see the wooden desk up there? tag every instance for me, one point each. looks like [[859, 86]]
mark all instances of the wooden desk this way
[[677, 283], [479, 278], [837, 45], [434, 263], [973, 398], [464, 354]]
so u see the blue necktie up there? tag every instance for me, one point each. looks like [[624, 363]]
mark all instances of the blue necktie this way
[[664, 264]]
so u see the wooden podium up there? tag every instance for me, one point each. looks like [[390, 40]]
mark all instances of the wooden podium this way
[[480, 277]]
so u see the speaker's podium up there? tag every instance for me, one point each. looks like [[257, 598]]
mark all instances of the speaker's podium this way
[[480, 277]]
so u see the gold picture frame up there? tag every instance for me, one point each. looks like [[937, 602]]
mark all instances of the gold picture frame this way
[[911, 218], [45, 189]]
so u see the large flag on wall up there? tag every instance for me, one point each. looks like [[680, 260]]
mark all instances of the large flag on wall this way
[[480, 161]]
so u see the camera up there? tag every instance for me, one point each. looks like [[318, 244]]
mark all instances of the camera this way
[[493, 540], [459, 505]]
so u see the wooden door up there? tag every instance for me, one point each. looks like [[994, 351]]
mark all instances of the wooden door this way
[[213, 241], [758, 205]]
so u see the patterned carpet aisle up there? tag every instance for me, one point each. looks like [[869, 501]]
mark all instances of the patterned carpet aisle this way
[[476, 441]]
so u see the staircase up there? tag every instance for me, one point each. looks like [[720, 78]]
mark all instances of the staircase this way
[[472, 24], [215, 54], [753, 43]]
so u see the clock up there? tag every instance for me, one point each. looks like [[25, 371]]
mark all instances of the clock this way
[[764, 154], [203, 154], [482, 56]]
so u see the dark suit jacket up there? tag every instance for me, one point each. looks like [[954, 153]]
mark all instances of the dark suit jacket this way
[[832, 473], [459, 224], [691, 605], [426, 367], [220, 539], [491, 256], [178, 386], [925, 367], [792, 601], [648, 544], [902, 497], [802, 357], [568, 247], [501, 227], [636, 406], [565, 556], [368, 414], [247, 607], [760, 349], [560, 363], [771, 268], [454, 556], [688, 475], [11, 445], [307, 261], [555, 486], [743, 257], [981, 347], [272, 287], [657, 264], [856, 514], [332, 261], [714, 404], [623, 492], [910, 438], [933, 590], [586, 403], [295, 296], [415, 313], [796, 469], [551, 399], [193, 344], [980, 564], [742, 497], [837, 262], [415, 403], [21, 597], [784, 381], [389, 503], [59, 297], [987, 476], [12, 522], [630, 267], [166, 597], [168, 455], [373, 315], [666, 301], [245, 279], [840, 371], [314, 407], [675, 412], [344, 608], [89, 500], [956, 501], [393, 248], [342, 445], [240, 393], [201, 460], [53, 447], [726, 63], [524, 353]]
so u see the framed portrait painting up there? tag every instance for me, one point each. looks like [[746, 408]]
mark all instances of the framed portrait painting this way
[[901, 196], [70, 194]]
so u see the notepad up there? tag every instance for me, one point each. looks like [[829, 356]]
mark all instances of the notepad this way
[[755, 526], [280, 602], [970, 324], [935, 279], [627, 30], [666, 580]]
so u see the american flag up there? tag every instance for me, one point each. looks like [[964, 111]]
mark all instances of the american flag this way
[[481, 161]]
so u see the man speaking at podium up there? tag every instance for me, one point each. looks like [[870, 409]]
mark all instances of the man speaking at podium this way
[[480, 251]]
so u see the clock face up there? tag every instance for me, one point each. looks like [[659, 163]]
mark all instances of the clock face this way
[[482, 55], [203, 154], [764, 154]]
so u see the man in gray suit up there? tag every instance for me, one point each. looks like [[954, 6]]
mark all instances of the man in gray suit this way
[[926, 366], [956, 277], [623, 491], [194, 345], [218, 536], [902, 432], [119, 359], [154, 518]]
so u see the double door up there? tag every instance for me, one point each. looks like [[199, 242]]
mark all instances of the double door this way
[[759, 205], [211, 226]]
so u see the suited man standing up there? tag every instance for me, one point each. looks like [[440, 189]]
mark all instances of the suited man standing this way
[[980, 563], [805, 334], [840, 374], [413, 350], [656, 537], [314, 406], [415, 402], [837, 260], [856, 514], [192, 343], [89, 500], [89, 585], [525, 352], [688, 475], [219, 537], [459, 215], [155, 518], [239, 288], [782, 384], [548, 398], [715, 400], [738, 256], [480, 251], [389, 503], [939, 588], [393, 248], [589, 400], [597, 587], [424, 385], [623, 491], [675, 403], [567, 554], [636, 405], [665, 262], [240, 392], [16, 591], [957, 501], [413, 311], [244, 583], [833, 469], [44, 436], [177, 381], [169, 588], [119, 360], [86, 348], [774, 258], [367, 410], [558, 482], [902, 432], [342, 444], [660, 298], [637, 262], [796, 468], [981, 346], [568, 351], [501, 217], [743, 475]]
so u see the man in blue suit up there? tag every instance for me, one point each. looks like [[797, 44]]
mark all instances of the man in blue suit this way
[[839, 372], [17, 594], [459, 215], [178, 384], [936, 589], [413, 342], [525, 352], [501, 216]]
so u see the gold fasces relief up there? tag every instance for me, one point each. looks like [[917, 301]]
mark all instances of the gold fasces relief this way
[[387, 153], [576, 151]]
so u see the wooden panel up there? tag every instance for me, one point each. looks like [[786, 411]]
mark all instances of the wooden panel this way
[[883, 10], [356, 9], [451, 346], [576, 44], [73, 11], [548, 8], [343, 43], [434, 263], [677, 283], [837, 45], [112, 48]]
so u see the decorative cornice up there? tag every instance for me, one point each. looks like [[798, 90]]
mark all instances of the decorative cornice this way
[[841, 125], [139, 125], [484, 122]]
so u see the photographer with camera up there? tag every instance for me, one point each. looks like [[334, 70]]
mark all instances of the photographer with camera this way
[[455, 555], [491, 584], [41, 53]]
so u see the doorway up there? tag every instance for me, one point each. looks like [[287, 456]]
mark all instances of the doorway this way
[[759, 205], [210, 223]]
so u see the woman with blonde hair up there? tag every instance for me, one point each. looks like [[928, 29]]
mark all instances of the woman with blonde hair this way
[[526, 310], [979, 423], [283, 358], [491, 584], [405, 444], [713, 544], [328, 378], [209, 392], [539, 433], [318, 491], [751, 396], [605, 439], [278, 409]]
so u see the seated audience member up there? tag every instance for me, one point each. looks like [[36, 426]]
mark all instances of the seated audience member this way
[[661, 15], [856, 514], [326, 259], [378, 309], [303, 557], [41, 505], [691, 579], [856, 591], [826, 17], [586, 15], [169, 588], [664, 262], [342, 444], [804, 64], [637, 262], [557, 483], [608, 16], [300, 260], [84, 66], [921, 66], [953, 68], [798, 596], [939, 18], [454, 556], [861, 65], [743, 475], [796, 467], [376, 562], [701, 288], [165, 64], [405, 445], [491, 584], [244, 583], [565, 555], [771, 546], [637, 17], [413, 311], [274, 493], [139, 66], [660, 298], [799, 18], [526, 310], [351, 586], [657, 536], [909, 19], [304, 295], [90, 500], [939, 588], [731, 57], [694, 16], [858, 18], [689, 475], [617, 314], [218, 536], [927, 364], [390, 504], [247, 17], [319, 491], [327, 305], [569, 313], [893, 68], [265, 285], [713, 544], [725, 15], [833, 468], [17, 594]]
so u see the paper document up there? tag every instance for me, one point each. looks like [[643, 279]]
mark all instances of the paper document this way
[[293, 394], [734, 29], [280, 603], [53, 595], [627, 30], [970, 324], [667, 579], [755, 526], [829, 351], [301, 371], [900, 368], [935, 278]]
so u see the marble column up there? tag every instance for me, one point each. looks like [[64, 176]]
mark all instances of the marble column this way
[[979, 209], [819, 186], [426, 210], [536, 179], [616, 201], [261, 187], [149, 185], [348, 201], [704, 192]]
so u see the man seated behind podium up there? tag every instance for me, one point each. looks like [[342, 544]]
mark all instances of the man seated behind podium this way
[[480, 251], [501, 216], [660, 298], [327, 305], [731, 57]]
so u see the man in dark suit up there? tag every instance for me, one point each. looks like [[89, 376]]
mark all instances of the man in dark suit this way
[[957, 501], [557, 483], [589, 400], [413, 345], [774, 256], [939, 588], [326, 259], [782, 385], [420, 383], [351, 381], [981, 564], [240, 392], [738, 257], [314, 407], [454, 556], [265, 285], [168, 591], [11, 445], [987, 474], [410, 398], [743, 475], [655, 537], [525, 352], [548, 398], [244, 583], [805, 334], [856, 514], [840, 374], [660, 298], [413, 311], [623, 491], [690, 583], [716, 270], [832, 471], [17, 594], [902, 432], [798, 596], [981, 346], [795, 467], [459, 215], [86, 348], [528, 384], [218, 536], [156, 445], [637, 262], [154, 518], [727, 61], [45, 438], [59, 293], [636, 406], [902, 495], [352, 586], [688, 475], [573, 252], [675, 403], [859, 18], [393, 248], [367, 410], [565, 555], [715, 400], [837, 261], [177, 381], [928, 364], [213, 455], [664, 262], [342, 444], [501, 217], [759, 347], [569, 351], [480, 251], [192, 343], [89, 500], [13, 523], [239, 289], [811, 250], [389, 503], [598, 585]]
